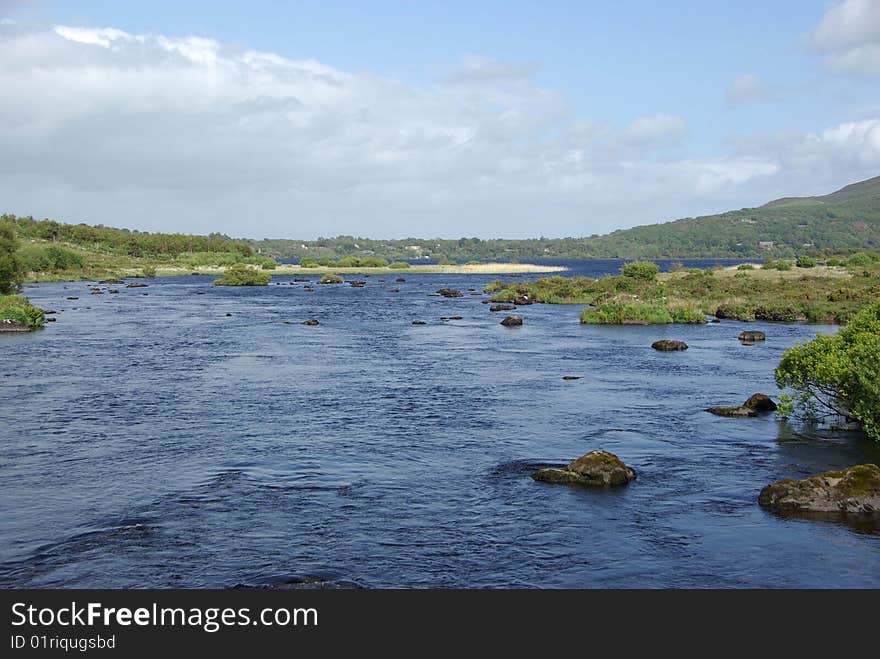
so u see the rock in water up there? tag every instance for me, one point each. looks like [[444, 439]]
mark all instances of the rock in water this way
[[311, 321], [512, 321], [419, 322], [756, 403], [853, 490], [760, 403], [572, 377], [135, 284], [449, 292], [750, 336], [596, 468], [669, 345], [502, 307]]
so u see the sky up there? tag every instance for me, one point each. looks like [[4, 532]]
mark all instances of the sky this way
[[431, 119]]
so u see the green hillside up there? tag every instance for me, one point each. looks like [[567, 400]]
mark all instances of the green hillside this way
[[846, 219]]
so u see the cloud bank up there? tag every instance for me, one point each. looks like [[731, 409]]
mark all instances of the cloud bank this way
[[190, 134]]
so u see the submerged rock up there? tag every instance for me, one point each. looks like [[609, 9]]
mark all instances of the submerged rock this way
[[311, 321], [400, 280], [669, 345], [512, 321], [572, 377], [135, 284], [755, 404], [502, 307], [444, 318], [750, 336], [852, 490], [112, 280], [596, 468], [419, 322], [449, 292]]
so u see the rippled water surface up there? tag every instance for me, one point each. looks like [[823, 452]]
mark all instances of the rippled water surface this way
[[152, 439]]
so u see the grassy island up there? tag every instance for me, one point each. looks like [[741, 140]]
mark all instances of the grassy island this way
[[820, 294], [18, 314], [241, 274]]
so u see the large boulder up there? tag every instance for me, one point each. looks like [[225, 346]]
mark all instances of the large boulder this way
[[449, 292], [596, 469], [760, 403], [512, 321], [669, 345], [502, 307], [750, 336], [852, 490], [755, 404]]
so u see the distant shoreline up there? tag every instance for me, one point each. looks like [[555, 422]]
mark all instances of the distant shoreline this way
[[290, 269]]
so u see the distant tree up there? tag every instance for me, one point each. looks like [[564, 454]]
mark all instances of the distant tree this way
[[10, 267]]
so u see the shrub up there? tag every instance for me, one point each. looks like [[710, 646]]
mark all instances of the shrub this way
[[308, 263], [646, 270], [18, 308], [324, 262], [10, 266], [860, 260], [833, 262], [149, 271], [399, 265], [777, 265], [330, 279], [805, 262], [241, 274], [745, 266], [373, 262], [837, 375], [447, 262]]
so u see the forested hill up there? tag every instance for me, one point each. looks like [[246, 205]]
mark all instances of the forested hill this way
[[848, 219]]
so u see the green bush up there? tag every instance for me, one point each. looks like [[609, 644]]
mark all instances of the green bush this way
[[745, 266], [805, 262], [399, 265], [777, 265], [836, 375], [10, 267], [241, 274], [860, 260], [307, 262], [18, 308], [149, 271], [198, 259], [447, 262], [645, 270], [833, 262], [330, 279], [325, 262], [41, 258]]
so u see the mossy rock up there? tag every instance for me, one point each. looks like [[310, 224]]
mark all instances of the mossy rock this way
[[595, 469], [852, 490], [669, 345]]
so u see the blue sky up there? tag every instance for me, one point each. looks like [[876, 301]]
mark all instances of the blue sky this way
[[422, 118]]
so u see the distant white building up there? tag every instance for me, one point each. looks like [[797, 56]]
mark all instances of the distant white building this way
[[766, 244]]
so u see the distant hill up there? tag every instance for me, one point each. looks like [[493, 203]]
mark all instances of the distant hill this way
[[846, 219], [862, 189]]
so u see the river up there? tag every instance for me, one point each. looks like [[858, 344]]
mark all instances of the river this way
[[185, 435]]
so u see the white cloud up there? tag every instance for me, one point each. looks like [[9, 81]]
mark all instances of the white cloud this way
[[849, 34], [746, 88], [189, 134], [658, 130]]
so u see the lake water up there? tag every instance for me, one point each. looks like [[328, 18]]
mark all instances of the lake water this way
[[152, 440]]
